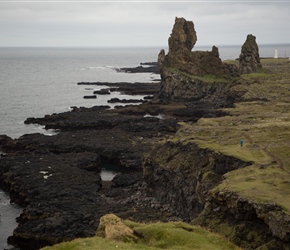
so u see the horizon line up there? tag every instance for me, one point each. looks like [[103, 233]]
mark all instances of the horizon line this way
[[144, 1], [126, 46]]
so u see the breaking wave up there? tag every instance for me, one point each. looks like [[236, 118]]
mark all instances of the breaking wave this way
[[102, 67]]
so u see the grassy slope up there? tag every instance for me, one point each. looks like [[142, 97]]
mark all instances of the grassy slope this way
[[265, 129], [155, 236]]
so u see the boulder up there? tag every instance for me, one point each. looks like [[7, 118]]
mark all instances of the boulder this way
[[111, 227], [249, 60]]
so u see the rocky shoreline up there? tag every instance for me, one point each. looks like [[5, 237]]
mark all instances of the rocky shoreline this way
[[51, 176], [164, 176]]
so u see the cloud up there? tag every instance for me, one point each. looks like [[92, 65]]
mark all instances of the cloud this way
[[139, 23]]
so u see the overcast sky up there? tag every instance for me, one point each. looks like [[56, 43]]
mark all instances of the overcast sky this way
[[140, 23]]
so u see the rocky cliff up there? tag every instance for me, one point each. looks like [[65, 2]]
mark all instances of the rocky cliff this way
[[181, 175], [186, 177], [182, 67], [248, 224]]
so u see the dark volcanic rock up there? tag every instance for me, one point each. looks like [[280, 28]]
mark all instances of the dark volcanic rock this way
[[196, 110], [51, 187], [117, 100], [150, 63], [141, 69], [90, 97], [56, 179], [249, 60], [182, 175], [151, 67], [90, 119]]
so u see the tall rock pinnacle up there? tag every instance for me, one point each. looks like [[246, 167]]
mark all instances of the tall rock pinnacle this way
[[249, 60], [183, 36]]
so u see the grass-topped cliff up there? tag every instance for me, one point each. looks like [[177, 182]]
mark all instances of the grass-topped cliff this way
[[258, 194], [263, 123]]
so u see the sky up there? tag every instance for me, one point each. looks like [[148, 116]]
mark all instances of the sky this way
[[140, 23]]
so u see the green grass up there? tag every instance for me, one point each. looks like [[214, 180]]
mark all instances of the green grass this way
[[266, 136], [173, 235], [269, 184], [205, 78]]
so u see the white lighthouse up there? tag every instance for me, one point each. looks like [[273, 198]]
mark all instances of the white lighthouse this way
[[276, 53]]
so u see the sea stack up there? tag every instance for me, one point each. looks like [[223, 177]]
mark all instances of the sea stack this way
[[249, 61], [180, 56]]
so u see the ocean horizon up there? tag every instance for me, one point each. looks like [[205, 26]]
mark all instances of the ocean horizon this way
[[131, 46], [36, 81]]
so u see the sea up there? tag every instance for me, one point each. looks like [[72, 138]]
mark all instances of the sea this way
[[35, 81]]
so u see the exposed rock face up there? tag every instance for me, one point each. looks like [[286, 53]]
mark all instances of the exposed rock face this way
[[183, 36], [185, 176], [249, 60], [180, 56], [182, 63], [181, 175]]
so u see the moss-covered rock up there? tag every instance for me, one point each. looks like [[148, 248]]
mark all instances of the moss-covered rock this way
[[111, 227]]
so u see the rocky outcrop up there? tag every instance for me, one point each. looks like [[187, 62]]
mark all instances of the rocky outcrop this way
[[181, 175], [249, 60], [182, 67], [149, 68], [180, 56], [117, 100]]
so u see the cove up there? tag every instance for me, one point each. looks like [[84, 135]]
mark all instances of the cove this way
[[109, 171]]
